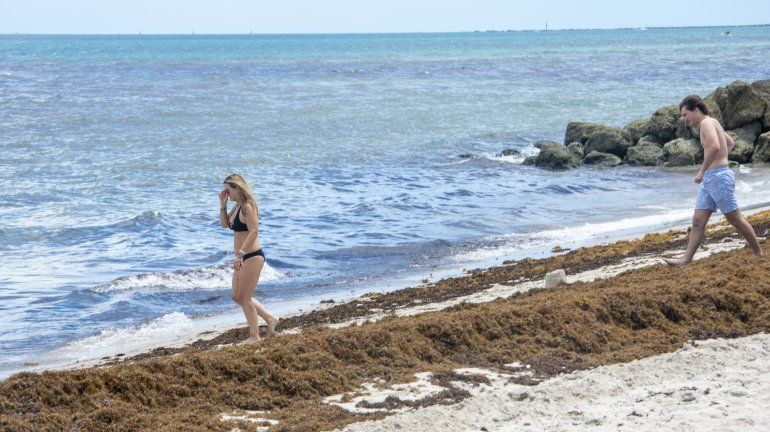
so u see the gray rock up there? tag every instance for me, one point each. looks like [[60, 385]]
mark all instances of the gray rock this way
[[576, 148], [510, 152], [636, 130], [744, 141], [544, 143], [529, 160], [683, 152], [555, 156], [750, 132], [711, 103], [664, 123], [580, 131], [602, 159], [645, 154], [683, 130], [742, 151], [610, 140], [554, 278], [762, 88], [762, 150], [650, 140], [740, 105]]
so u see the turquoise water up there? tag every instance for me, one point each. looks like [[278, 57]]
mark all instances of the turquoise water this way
[[113, 149]]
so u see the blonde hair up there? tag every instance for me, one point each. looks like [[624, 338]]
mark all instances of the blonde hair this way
[[244, 192]]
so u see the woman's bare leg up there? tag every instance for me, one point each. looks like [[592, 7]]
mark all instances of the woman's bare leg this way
[[248, 280]]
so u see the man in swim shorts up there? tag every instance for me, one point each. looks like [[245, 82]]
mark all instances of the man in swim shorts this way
[[716, 179]]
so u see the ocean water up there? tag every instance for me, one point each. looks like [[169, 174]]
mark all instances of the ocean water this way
[[113, 149]]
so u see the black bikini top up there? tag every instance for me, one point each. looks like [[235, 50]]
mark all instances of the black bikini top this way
[[237, 225]]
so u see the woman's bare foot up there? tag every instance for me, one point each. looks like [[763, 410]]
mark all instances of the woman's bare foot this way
[[271, 326], [250, 341]]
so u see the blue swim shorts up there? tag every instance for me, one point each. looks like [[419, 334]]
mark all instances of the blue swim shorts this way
[[717, 191]]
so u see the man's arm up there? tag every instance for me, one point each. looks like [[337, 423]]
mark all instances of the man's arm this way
[[730, 142]]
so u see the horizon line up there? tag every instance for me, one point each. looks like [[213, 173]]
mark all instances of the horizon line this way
[[193, 32]]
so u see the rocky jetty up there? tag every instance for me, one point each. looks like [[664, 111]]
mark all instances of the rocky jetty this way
[[664, 139]]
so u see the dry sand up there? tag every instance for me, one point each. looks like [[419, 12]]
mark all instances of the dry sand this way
[[719, 385]]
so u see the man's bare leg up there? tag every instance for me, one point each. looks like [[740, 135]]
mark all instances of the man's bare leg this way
[[743, 226], [699, 220]]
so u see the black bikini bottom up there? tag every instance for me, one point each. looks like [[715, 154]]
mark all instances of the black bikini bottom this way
[[253, 254]]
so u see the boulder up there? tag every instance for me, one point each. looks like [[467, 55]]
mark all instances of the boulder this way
[[555, 156], [749, 133], [580, 131], [544, 143], [554, 278], [636, 130], [762, 88], [529, 160], [740, 105], [683, 130], [650, 140], [744, 141], [576, 148], [713, 106], [610, 140], [762, 150], [665, 123], [683, 152], [645, 154], [510, 152], [742, 151], [602, 159]]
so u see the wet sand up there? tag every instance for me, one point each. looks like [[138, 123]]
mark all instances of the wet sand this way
[[619, 305]]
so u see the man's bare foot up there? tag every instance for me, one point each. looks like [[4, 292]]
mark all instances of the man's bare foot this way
[[674, 263], [250, 341], [271, 326]]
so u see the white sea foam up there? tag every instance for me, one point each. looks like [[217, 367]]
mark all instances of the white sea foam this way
[[570, 236], [514, 159], [741, 187], [171, 330], [206, 278], [170, 326]]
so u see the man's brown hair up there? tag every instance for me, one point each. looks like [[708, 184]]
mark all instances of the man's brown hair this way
[[694, 101]]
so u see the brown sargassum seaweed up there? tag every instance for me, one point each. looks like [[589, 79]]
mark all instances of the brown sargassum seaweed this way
[[583, 325]]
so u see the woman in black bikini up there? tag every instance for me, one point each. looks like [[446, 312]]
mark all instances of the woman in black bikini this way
[[243, 219]]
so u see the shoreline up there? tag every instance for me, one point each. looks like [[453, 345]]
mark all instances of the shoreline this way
[[631, 313], [218, 331]]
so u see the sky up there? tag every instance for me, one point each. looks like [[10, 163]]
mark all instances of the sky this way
[[363, 16]]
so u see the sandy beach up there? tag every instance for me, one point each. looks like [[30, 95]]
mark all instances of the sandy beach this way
[[623, 343], [708, 385]]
